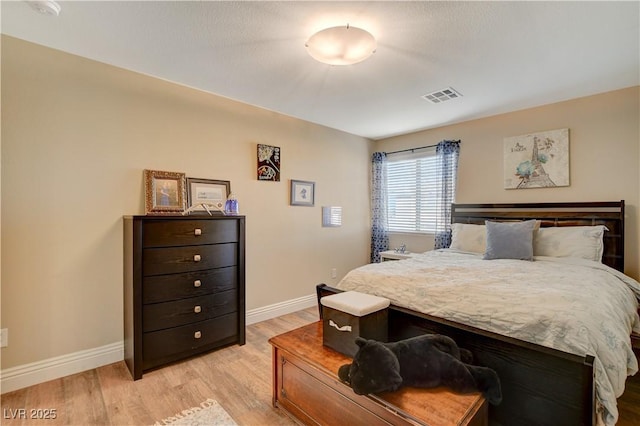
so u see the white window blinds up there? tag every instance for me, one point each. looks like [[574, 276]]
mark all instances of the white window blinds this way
[[412, 191]]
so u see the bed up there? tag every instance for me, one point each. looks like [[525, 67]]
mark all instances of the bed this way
[[553, 375]]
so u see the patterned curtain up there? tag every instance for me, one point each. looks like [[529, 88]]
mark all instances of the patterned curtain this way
[[447, 153], [379, 224]]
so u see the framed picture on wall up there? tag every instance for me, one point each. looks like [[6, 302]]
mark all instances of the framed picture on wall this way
[[537, 160], [164, 192], [209, 192], [302, 193], [268, 163]]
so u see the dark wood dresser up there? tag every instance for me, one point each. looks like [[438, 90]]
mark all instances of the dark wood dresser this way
[[184, 287]]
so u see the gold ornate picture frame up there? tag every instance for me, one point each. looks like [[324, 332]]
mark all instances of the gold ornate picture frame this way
[[164, 192]]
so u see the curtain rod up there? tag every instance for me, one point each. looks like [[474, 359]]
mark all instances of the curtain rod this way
[[415, 149]]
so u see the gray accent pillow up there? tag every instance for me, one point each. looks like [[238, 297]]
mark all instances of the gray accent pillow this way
[[510, 240]]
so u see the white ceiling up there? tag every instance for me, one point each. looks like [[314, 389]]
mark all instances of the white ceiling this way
[[501, 56]]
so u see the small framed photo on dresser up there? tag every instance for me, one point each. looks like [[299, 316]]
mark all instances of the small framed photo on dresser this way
[[207, 192], [164, 192]]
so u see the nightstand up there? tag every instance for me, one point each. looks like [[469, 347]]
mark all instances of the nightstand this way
[[393, 255]]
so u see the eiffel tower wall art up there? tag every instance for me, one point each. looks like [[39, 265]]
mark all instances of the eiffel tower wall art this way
[[537, 160]]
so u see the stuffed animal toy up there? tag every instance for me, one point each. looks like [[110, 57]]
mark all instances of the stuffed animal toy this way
[[425, 361]]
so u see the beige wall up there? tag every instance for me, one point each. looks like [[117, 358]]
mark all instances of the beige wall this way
[[603, 148], [76, 136]]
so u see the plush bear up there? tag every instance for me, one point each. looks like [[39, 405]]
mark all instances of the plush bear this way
[[425, 361]]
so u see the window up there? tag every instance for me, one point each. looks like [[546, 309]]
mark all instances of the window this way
[[412, 191]]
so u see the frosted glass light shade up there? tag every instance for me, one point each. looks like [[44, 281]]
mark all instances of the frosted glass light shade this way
[[341, 45], [46, 7]]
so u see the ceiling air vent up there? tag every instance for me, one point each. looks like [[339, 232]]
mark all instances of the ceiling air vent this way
[[443, 95]]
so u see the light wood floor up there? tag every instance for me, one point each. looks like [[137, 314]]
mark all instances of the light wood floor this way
[[238, 377]]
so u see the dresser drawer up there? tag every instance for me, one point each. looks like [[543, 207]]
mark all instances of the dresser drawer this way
[[162, 288], [163, 344], [171, 233], [185, 311], [157, 261]]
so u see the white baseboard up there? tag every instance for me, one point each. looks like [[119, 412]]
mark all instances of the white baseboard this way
[[22, 376], [19, 377], [282, 308]]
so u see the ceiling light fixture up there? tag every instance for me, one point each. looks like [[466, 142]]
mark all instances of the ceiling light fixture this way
[[46, 7], [343, 45]]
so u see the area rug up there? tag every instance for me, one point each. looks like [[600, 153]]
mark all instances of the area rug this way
[[210, 413]]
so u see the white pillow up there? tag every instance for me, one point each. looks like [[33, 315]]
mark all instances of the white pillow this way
[[468, 237], [584, 242]]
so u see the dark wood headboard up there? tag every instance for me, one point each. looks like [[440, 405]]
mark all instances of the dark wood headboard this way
[[608, 213]]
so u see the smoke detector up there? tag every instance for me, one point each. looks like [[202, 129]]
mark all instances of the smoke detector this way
[[443, 95], [46, 7]]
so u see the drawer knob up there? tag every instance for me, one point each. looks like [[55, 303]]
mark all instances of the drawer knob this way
[[197, 335], [197, 232], [197, 309], [197, 283], [197, 258]]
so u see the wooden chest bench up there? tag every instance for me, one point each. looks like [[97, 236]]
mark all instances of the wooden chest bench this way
[[306, 385]]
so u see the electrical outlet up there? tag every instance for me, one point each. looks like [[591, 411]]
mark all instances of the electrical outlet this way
[[334, 273], [4, 338]]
